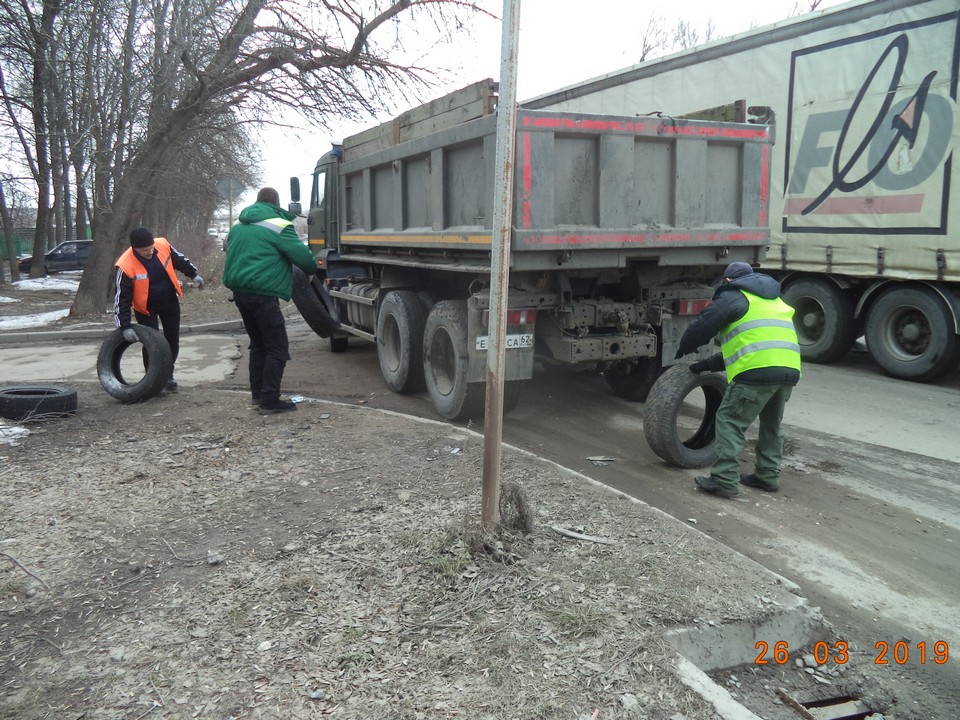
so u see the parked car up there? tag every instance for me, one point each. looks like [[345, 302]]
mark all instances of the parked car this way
[[69, 255]]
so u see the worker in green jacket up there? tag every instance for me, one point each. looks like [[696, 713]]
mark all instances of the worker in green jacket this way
[[261, 252], [761, 355]]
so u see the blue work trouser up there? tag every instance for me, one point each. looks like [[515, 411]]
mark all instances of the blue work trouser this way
[[269, 348], [741, 405]]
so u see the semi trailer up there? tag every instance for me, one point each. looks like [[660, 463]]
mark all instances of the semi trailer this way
[[863, 211]]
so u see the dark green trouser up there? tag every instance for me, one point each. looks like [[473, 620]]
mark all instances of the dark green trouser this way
[[741, 405]]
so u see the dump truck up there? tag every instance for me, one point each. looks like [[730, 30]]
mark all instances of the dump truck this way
[[620, 227], [864, 215]]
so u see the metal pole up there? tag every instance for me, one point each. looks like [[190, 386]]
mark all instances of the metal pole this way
[[500, 265]]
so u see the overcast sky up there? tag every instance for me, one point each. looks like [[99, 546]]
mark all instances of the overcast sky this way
[[561, 42]]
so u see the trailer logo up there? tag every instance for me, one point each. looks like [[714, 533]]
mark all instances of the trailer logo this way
[[881, 164]]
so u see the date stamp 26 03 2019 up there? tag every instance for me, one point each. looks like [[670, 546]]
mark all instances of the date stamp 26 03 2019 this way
[[838, 652]]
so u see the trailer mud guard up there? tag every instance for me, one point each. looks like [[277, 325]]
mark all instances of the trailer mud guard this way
[[678, 422]]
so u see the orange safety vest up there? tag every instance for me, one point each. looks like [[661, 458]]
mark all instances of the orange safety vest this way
[[132, 266]]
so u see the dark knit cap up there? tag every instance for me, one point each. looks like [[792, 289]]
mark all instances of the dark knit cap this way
[[737, 269], [141, 238]]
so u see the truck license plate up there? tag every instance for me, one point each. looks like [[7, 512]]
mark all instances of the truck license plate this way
[[522, 340]]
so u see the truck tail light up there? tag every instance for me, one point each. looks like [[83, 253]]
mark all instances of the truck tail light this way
[[691, 307], [515, 318]]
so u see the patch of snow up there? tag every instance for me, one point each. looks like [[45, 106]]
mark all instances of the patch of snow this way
[[8, 300], [20, 322], [9, 434], [67, 281]]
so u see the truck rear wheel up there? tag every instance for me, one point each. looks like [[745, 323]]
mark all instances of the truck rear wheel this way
[[400, 341], [910, 333], [445, 363], [823, 317], [679, 422], [632, 379]]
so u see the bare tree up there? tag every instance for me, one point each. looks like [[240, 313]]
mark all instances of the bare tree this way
[[654, 39], [687, 35], [320, 57], [6, 223]]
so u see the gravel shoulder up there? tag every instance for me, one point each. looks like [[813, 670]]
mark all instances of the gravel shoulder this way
[[190, 558]]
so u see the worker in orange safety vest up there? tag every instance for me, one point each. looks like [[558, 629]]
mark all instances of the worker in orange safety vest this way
[[146, 280]]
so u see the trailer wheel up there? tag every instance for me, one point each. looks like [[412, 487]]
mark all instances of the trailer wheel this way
[[823, 317], [158, 371], [314, 308], [400, 341], [36, 402], [632, 379], [679, 422], [445, 362], [910, 334]]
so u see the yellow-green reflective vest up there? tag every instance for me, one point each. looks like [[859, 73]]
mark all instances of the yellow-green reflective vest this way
[[764, 337]]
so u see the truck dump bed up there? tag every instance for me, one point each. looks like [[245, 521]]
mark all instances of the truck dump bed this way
[[865, 97], [597, 189]]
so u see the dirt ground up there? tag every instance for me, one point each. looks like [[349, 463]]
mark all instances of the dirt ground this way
[[188, 558]]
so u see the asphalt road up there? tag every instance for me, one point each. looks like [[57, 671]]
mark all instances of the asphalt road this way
[[867, 522]]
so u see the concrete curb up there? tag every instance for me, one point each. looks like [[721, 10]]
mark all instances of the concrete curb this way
[[731, 645], [100, 332]]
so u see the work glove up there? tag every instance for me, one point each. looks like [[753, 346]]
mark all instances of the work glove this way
[[130, 335], [699, 367], [198, 281]]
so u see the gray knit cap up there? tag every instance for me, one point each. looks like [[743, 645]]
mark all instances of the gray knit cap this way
[[737, 269]]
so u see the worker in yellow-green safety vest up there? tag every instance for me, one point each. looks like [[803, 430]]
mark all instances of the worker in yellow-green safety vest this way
[[761, 355]]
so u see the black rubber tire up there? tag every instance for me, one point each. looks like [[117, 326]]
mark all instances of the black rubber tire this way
[[312, 305], [910, 333], [823, 317], [159, 365], [512, 394], [632, 380], [36, 402], [400, 341], [662, 411], [445, 362]]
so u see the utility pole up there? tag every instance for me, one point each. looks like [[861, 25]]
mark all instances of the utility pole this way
[[500, 266]]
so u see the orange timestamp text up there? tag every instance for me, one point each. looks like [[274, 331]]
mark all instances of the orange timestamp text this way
[[838, 652]]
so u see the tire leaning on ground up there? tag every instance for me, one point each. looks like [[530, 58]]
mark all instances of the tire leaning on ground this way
[[312, 306], [36, 402], [159, 365], [665, 406]]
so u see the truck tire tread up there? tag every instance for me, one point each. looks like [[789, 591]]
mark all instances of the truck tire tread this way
[[662, 411], [155, 376]]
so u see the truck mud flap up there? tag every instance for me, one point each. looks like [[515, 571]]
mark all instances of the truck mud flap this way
[[312, 306], [679, 418]]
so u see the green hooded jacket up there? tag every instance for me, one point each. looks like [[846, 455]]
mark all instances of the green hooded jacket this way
[[260, 251]]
